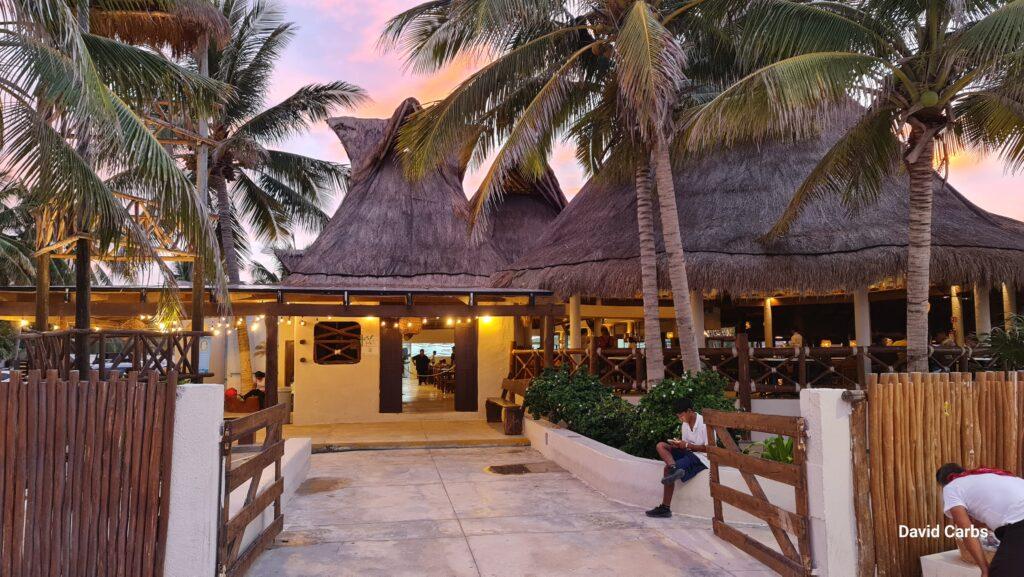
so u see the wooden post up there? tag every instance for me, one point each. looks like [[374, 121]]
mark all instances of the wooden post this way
[[547, 337], [743, 370], [592, 356], [862, 489], [574, 322], [83, 297], [42, 292], [271, 364], [958, 314], [982, 310], [769, 329], [1009, 304]]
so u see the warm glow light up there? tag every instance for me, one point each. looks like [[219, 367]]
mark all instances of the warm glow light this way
[[216, 333], [23, 323], [161, 326], [486, 318], [449, 322]]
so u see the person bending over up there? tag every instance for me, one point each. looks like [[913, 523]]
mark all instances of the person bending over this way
[[684, 457], [992, 499]]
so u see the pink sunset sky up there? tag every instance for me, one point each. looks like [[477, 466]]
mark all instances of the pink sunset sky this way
[[337, 40]]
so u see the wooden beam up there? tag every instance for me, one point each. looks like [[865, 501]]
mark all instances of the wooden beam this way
[[547, 337]]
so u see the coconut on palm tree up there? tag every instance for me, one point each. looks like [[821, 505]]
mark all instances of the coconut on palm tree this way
[[606, 72], [927, 79]]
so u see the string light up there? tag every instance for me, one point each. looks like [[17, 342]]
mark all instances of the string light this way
[[449, 322], [23, 323]]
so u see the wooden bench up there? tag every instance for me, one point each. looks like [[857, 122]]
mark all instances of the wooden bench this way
[[505, 408]]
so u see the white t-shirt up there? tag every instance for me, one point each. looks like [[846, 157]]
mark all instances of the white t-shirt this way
[[995, 500], [698, 435]]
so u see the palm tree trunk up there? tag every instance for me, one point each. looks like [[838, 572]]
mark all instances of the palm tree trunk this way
[[649, 275], [227, 232], [673, 239], [919, 249]]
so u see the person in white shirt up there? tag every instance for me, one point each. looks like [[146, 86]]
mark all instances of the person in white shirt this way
[[990, 499], [684, 457]]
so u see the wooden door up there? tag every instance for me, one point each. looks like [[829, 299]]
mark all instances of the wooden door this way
[[466, 367], [390, 367], [289, 363]]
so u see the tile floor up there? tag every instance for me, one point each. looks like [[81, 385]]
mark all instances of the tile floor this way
[[440, 512]]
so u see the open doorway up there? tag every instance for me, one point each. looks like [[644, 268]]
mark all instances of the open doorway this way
[[428, 372]]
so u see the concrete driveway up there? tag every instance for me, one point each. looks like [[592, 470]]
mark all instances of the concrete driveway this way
[[444, 513]]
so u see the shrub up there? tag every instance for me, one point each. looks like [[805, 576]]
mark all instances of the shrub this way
[[609, 421], [1008, 345], [655, 420], [775, 448], [558, 397]]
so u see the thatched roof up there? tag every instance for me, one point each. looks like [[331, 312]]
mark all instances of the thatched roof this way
[[729, 201], [176, 24], [390, 232], [526, 206]]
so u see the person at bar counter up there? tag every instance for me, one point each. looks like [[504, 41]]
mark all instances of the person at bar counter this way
[[605, 341], [989, 499], [684, 457]]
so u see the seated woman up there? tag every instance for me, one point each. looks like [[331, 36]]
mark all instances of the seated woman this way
[[684, 457]]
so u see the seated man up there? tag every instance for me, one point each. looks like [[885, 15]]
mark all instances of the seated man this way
[[684, 457], [259, 388], [987, 498]]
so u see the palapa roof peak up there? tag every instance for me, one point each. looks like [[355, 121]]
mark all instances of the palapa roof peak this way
[[515, 219], [727, 203], [389, 231]]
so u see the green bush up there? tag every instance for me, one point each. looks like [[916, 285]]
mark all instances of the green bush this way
[[655, 421], [609, 421], [558, 397], [1008, 344], [775, 448], [6, 341]]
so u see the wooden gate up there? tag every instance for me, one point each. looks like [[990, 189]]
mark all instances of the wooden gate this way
[[789, 560], [84, 474], [244, 465]]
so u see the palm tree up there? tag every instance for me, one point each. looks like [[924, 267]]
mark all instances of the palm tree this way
[[561, 68], [927, 79], [72, 134], [270, 191]]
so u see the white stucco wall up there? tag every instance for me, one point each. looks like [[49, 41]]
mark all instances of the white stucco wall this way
[[336, 393], [351, 393], [195, 471]]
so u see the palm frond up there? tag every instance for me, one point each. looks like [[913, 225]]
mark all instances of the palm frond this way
[[294, 115]]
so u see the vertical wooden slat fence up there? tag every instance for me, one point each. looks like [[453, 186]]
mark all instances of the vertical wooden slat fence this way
[[917, 422], [245, 464], [84, 474]]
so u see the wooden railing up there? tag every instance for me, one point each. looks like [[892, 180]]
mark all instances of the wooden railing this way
[[85, 469], [244, 464], [751, 370], [117, 350]]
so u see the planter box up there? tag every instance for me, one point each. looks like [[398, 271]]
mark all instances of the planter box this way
[[637, 481]]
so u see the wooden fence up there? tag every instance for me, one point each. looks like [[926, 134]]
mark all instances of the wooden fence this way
[[753, 370], [140, 351], [245, 463], [915, 424], [789, 560], [84, 473]]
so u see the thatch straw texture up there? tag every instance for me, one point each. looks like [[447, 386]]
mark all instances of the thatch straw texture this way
[[526, 206], [178, 28], [727, 202], [390, 232]]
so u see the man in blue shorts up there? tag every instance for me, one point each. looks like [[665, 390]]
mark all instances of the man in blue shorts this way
[[684, 457]]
